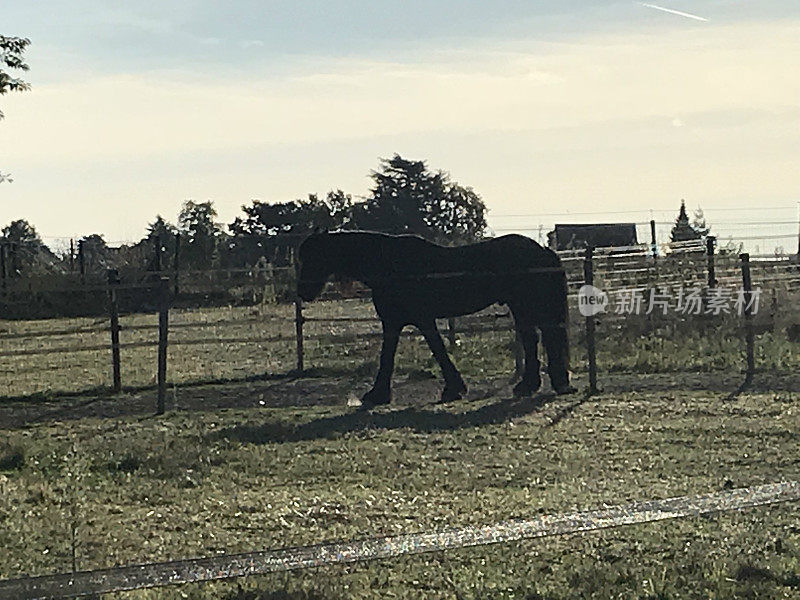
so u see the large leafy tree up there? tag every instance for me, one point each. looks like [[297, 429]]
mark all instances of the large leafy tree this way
[[408, 198], [11, 51], [201, 233], [295, 217], [24, 248]]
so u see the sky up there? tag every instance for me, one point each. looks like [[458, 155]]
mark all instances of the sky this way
[[543, 107]]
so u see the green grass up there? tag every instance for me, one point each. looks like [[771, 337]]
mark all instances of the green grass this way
[[259, 463], [197, 483]]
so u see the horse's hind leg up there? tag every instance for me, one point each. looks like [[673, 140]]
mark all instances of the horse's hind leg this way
[[381, 392], [454, 386]]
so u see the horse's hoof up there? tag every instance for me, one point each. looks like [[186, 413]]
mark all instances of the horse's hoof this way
[[523, 389], [374, 398], [454, 393], [565, 389]]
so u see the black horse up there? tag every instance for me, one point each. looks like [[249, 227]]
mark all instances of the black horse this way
[[414, 282]]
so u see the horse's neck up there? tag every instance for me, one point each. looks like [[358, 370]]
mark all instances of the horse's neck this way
[[359, 256]]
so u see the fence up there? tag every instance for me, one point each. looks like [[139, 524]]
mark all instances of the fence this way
[[615, 270]]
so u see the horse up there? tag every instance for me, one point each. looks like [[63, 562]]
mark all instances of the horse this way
[[414, 282]]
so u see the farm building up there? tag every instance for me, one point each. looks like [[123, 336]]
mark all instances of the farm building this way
[[568, 237]]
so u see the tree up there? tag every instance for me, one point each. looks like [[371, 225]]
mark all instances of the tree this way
[[25, 249], [683, 231], [11, 50], [408, 198], [295, 217], [96, 254], [201, 233]]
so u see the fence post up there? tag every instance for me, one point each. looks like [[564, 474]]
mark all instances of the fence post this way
[[298, 318], [451, 332], [711, 243], [653, 240], [747, 285], [82, 260], [588, 279], [3, 265], [163, 330], [176, 264], [113, 282], [519, 354], [157, 257]]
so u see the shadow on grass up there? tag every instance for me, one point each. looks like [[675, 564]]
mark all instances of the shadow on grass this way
[[419, 420]]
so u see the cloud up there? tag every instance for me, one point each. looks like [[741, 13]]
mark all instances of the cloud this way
[[251, 44]]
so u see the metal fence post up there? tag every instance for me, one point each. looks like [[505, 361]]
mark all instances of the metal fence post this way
[[113, 282], [163, 330], [298, 318], [747, 285], [451, 332], [711, 243], [591, 350]]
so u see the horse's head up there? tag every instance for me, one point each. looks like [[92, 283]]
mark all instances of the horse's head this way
[[315, 265]]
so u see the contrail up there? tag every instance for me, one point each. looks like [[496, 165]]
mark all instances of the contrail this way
[[674, 12]]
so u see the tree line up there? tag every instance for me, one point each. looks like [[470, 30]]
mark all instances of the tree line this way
[[406, 197]]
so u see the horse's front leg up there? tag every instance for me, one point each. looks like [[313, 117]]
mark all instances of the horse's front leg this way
[[454, 387], [381, 392], [531, 379]]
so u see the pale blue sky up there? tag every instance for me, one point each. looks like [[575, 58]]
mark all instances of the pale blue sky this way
[[540, 106]]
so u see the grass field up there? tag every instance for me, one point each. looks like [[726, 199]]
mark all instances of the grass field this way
[[257, 463]]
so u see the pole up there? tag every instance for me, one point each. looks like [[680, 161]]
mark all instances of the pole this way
[[747, 285], [82, 260], [3, 266], [451, 332], [157, 257], [298, 319], [163, 330], [591, 350], [653, 240], [113, 282], [177, 263], [71, 255], [711, 243]]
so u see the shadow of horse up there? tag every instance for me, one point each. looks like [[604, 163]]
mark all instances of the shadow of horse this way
[[416, 419]]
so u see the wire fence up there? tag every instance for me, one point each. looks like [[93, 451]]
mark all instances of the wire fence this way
[[119, 348]]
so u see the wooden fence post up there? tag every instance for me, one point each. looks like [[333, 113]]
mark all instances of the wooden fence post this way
[[176, 263], [298, 318], [747, 285], [163, 330], [3, 265], [113, 282], [653, 239], [157, 255], [591, 350], [711, 243], [82, 260]]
